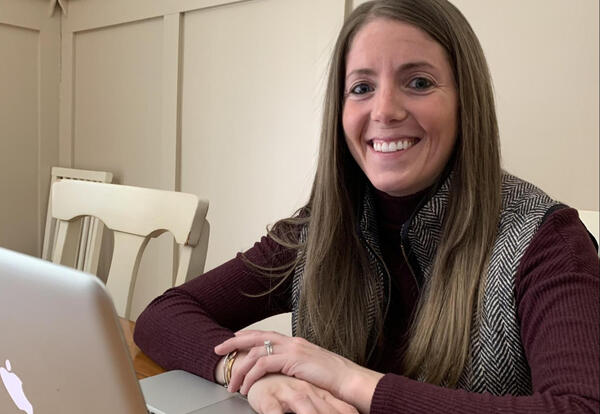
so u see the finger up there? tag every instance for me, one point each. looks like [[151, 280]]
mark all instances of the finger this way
[[233, 344], [271, 364], [227, 346], [250, 332], [341, 406], [324, 406], [243, 366], [303, 404], [269, 405], [252, 339]]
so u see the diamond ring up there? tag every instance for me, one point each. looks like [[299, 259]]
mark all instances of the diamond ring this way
[[268, 347]]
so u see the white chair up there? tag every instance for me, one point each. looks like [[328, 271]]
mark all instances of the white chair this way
[[591, 220], [281, 323], [135, 215], [85, 255]]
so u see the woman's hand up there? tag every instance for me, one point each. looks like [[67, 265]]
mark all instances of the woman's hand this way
[[296, 357], [278, 394]]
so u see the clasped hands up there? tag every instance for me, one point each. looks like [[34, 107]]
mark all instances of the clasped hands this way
[[297, 376]]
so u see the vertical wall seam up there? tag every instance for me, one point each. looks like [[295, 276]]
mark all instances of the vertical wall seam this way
[[178, 153], [38, 172]]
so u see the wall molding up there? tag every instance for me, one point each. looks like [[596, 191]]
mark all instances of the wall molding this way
[[88, 15]]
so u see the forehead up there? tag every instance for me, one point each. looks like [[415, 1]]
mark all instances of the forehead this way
[[384, 39]]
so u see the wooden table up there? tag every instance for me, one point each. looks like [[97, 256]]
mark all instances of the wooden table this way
[[144, 366]]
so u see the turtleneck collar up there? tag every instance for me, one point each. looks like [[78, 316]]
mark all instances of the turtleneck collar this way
[[393, 212]]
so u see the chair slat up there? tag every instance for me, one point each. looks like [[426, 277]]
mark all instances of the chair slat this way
[[124, 266]]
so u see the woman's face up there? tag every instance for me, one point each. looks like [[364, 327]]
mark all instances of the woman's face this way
[[400, 106]]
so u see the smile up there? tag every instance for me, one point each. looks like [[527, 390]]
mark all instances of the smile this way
[[393, 146]]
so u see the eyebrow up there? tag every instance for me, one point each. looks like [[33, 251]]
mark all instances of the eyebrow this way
[[402, 68]]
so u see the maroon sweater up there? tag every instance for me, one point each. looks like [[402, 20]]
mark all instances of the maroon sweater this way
[[557, 292]]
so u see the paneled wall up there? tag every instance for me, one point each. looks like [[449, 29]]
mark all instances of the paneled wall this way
[[217, 98], [29, 78]]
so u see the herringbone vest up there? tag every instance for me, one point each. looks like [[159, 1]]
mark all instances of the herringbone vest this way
[[497, 362]]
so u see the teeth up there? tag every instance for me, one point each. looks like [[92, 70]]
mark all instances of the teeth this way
[[399, 145]]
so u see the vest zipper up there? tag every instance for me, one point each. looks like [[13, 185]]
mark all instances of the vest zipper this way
[[410, 268], [388, 299]]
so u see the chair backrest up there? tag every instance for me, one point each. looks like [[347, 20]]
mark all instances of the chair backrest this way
[[135, 215], [86, 254], [591, 219]]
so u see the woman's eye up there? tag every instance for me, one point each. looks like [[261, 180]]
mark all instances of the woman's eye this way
[[361, 89], [420, 84]]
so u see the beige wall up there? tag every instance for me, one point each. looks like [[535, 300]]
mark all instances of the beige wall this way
[[543, 55], [116, 118], [252, 94], [19, 126], [29, 76], [222, 98]]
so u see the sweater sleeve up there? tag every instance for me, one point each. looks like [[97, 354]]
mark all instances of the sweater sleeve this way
[[557, 293], [180, 328]]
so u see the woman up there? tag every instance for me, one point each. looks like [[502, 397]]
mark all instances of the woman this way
[[421, 277]]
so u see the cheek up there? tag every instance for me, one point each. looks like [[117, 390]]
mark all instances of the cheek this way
[[440, 125], [346, 121], [450, 132], [351, 120]]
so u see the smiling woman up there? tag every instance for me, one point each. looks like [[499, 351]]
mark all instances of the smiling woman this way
[[422, 278]]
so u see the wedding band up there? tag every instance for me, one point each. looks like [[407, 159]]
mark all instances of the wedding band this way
[[268, 347]]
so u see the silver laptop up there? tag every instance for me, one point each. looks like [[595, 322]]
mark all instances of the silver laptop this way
[[62, 351]]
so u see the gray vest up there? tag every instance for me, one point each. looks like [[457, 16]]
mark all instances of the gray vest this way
[[497, 362]]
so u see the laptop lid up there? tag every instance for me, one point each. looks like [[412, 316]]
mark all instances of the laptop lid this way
[[62, 351], [61, 347]]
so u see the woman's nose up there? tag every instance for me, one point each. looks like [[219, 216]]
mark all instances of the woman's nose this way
[[388, 106]]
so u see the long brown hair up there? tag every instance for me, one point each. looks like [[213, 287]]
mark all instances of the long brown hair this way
[[333, 301]]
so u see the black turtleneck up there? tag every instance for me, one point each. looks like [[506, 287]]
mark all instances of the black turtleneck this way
[[392, 213]]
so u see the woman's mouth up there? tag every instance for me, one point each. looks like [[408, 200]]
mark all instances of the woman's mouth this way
[[387, 145]]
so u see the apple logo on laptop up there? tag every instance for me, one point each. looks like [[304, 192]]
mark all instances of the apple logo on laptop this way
[[14, 386]]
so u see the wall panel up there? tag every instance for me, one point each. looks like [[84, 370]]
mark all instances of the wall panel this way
[[253, 79], [29, 78], [117, 101], [19, 70], [117, 113]]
